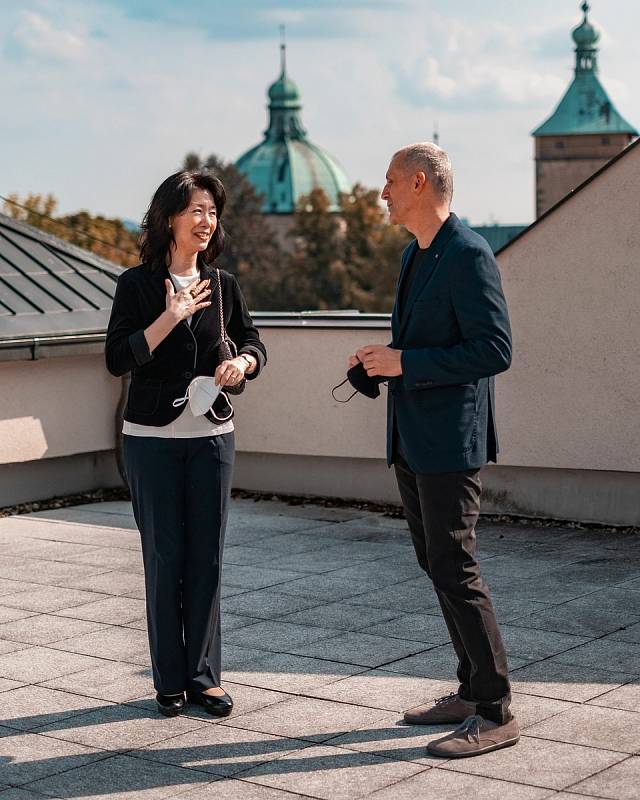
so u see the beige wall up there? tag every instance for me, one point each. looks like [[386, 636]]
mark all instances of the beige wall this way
[[570, 399], [290, 408], [56, 407]]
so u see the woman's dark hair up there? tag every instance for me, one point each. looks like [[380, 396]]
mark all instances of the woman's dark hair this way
[[171, 197]]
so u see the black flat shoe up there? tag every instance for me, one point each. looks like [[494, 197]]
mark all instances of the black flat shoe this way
[[219, 706], [170, 704]]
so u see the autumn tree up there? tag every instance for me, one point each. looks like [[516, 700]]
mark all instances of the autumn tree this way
[[106, 237], [370, 251]]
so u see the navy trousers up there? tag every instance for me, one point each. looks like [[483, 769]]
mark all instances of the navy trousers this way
[[180, 492]]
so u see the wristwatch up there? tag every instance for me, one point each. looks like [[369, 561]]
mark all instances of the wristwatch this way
[[247, 359]]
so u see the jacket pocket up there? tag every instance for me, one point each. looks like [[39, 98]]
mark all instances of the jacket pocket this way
[[144, 396]]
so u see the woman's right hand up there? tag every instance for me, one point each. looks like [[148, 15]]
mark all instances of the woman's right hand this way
[[186, 302]]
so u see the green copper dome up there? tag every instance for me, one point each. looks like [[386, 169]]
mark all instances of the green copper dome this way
[[286, 165], [585, 107]]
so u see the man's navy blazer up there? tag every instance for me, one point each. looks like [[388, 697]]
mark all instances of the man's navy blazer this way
[[455, 336]]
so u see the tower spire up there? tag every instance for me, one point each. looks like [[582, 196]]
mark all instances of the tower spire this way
[[586, 36], [283, 52]]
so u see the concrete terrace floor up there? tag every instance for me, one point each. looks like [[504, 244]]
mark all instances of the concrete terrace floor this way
[[330, 632]]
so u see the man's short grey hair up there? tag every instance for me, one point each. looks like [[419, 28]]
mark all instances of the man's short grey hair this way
[[427, 157]]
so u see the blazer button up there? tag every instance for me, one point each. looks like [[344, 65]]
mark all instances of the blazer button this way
[[189, 345], [188, 375]]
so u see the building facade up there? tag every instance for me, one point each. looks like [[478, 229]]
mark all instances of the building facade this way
[[585, 130]]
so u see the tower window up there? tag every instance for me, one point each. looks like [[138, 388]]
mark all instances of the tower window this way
[[605, 140], [560, 145]]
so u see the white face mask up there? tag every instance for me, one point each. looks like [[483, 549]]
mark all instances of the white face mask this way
[[201, 394]]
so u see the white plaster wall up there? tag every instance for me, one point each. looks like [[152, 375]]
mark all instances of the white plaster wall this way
[[56, 407]]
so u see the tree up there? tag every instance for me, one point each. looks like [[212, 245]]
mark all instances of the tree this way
[[315, 275], [348, 260], [371, 250], [107, 238]]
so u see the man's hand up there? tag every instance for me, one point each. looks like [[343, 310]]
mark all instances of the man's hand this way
[[378, 359]]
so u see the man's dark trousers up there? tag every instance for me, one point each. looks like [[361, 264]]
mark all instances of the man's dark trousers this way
[[442, 510], [451, 323]]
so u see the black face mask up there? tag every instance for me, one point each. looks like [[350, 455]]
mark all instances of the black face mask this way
[[365, 384]]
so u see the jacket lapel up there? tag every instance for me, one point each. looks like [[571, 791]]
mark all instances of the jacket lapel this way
[[436, 249], [407, 257]]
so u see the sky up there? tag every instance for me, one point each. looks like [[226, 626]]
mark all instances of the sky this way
[[101, 99]]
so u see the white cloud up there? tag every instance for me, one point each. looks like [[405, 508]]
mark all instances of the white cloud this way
[[37, 38], [472, 67]]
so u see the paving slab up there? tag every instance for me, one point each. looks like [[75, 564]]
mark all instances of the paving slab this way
[[445, 785], [342, 616], [626, 697], [619, 782], [361, 649], [279, 636], [331, 773], [113, 582], [36, 664], [49, 599], [593, 726], [532, 643], [113, 727], [122, 777], [308, 719], [220, 749], [111, 610], [44, 629], [12, 614], [10, 587], [577, 684], [111, 558], [286, 672], [377, 688], [390, 738], [242, 790], [110, 642], [268, 604], [607, 654], [416, 627], [20, 794], [30, 707], [538, 762], [26, 757], [111, 680]]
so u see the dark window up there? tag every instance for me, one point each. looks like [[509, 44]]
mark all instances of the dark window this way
[[560, 145], [605, 140]]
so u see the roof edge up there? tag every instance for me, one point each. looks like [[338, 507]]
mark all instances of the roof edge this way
[[572, 193]]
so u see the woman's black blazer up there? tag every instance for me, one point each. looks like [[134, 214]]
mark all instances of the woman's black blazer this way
[[158, 378]]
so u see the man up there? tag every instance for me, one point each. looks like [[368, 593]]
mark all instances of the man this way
[[451, 335]]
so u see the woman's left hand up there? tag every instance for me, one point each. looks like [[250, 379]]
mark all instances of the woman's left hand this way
[[231, 372]]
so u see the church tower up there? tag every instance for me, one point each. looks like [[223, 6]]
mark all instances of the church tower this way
[[584, 131]]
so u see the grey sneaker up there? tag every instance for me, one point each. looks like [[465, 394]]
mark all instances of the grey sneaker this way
[[474, 737], [443, 710]]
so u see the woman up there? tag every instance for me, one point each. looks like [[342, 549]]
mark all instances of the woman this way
[[165, 329]]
